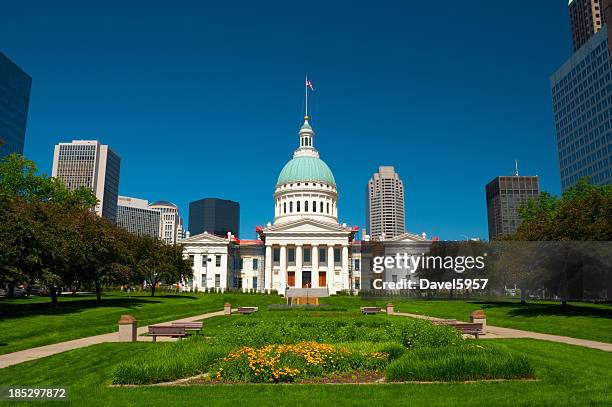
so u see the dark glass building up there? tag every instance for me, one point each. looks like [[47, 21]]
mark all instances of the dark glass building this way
[[15, 86], [504, 196], [215, 216]]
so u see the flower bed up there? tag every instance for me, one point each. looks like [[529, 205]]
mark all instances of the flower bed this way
[[289, 362]]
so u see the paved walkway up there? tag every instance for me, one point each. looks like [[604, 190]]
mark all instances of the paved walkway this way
[[496, 332], [48, 350]]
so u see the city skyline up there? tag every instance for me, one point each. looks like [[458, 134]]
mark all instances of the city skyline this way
[[204, 164]]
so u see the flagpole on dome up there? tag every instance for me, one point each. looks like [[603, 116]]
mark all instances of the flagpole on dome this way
[[306, 90], [307, 85]]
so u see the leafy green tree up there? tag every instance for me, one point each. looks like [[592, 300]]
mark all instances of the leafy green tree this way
[[584, 212], [19, 178], [156, 263]]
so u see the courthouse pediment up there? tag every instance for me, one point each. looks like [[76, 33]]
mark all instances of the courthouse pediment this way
[[205, 238], [406, 238], [306, 225]]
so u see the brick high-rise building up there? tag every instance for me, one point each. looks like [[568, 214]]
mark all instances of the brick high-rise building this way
[[586, 18], [504, 195]]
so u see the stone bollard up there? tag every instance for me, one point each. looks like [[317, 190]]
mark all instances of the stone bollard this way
[[227, 309], [479, 317], [128, 329], [390, 309]]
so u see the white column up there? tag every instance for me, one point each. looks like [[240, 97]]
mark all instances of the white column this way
[[330, 266], [283, 270], [314, 275], [268, 268], [299, 257], [224, 272], [346, 283]]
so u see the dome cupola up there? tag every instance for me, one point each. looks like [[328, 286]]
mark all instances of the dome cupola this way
[[306, 185]]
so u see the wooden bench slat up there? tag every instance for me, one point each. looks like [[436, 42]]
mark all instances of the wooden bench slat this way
[[172, 331]]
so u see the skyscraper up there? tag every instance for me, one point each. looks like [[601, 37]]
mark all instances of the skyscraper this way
[[216, 216], [15, 86], [137, 217], [171, 222], [87, 163], [504, 195], [385, 204], [582, 105], [586, 18]]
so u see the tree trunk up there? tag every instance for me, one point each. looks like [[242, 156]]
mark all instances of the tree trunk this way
[[153, 289], [564, 303], [11, 289], [53, 293], [523, 296], [98, 291]]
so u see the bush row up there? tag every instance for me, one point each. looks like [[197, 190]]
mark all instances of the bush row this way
[[411, 333], [458, 363], [169, 362]]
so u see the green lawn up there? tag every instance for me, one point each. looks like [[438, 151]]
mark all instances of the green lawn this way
[[578, 320], [567, 376], [32, 321]]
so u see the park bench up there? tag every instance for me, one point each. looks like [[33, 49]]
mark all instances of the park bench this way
[[247, 310], [370, 310], [444, 322], [469, 328], [169, 331], [196, 327]]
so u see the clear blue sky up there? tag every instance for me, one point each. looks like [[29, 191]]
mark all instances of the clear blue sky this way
[[203, 99]]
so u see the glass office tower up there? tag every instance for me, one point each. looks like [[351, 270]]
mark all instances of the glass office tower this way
[[15, 86], [582, 106], [216, 216]]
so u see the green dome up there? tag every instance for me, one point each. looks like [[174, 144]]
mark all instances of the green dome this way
[[306, 168]]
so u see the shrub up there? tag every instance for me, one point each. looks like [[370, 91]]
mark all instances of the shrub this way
[[458, 363], [169, 362], [286, 363], [412, 333]]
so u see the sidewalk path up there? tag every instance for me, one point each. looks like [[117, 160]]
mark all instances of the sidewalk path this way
[[48, 350], [496, 332]]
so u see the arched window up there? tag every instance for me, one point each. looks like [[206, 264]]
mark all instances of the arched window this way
[[328, 208], [321, 206], [314, 206], [298, 206], [291, 207], [305, 206], [284, 207]]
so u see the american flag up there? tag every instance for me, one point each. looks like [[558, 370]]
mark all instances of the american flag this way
[[309, 85]]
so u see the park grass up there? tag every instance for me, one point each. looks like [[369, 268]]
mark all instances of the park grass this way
[[578, 320], [32, 321], [566, 376]]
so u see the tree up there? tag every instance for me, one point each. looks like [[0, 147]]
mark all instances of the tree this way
[[584, 212], [156, 262], [33, 211]]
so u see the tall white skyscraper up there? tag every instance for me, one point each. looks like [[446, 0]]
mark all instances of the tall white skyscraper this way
[[385, 204], [171, 222], [137, 217], [87, 163]]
